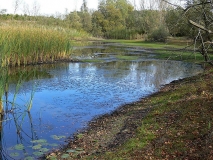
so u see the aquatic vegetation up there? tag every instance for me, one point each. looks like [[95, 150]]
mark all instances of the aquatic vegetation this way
[[28, 44], [39, 141], [19, 147], [15, 154], [38, 153], [38, 146], [29, 158], [58, 137], [65, 156]]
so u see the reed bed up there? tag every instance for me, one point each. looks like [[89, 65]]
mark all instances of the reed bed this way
[[28, 44]]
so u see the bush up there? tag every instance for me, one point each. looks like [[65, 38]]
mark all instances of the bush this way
[[159, 35]]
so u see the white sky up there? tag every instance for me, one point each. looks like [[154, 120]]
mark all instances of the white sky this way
[[49, 7]]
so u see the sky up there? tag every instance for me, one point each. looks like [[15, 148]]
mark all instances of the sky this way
[[48, 7], [53, 7]]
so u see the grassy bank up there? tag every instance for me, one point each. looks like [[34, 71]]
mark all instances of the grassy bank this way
[[22, 44], [174, 49], [171, 43]]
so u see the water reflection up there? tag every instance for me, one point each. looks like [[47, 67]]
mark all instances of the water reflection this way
[[67, 96]]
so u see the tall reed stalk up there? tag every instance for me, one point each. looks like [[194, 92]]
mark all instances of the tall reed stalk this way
[[29, 106], [3, 86], [28, 44]]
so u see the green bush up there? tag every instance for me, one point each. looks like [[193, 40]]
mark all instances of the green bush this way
[[159, 35]]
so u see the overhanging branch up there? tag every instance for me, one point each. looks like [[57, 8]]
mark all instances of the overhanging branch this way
[[198, 4], [200, 26]]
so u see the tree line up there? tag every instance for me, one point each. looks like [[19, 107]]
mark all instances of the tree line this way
[[120, 19]]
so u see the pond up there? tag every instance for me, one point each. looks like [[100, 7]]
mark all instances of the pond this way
[[62, 98]]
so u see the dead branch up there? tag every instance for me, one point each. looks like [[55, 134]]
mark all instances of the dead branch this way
[[200, 26]]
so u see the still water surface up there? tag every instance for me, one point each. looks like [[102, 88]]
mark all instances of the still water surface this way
[[66, 96]]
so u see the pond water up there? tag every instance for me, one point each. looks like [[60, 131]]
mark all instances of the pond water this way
[[65, 96]]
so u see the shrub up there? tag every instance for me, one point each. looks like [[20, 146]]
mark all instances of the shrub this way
[[159, 35]]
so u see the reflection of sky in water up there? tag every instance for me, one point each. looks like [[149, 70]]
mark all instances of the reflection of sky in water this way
[[79, 91]]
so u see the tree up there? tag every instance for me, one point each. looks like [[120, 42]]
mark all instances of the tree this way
[[203, 22], [3, 11], [26, 9], [86, 18], [16, 5], [97, 24], [176, 25], [84, 7], [36, 8], [112, 18], [74, 20], [200, 16]]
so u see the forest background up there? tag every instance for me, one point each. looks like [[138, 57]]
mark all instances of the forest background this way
[[118, 19]]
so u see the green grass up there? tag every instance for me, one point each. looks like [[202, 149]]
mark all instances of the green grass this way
[[123, 57], [148, 45], [188, 56], [174, 49]]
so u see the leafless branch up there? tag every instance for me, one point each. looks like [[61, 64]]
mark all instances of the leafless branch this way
[[171, 3], [200, 26], [198, 4]]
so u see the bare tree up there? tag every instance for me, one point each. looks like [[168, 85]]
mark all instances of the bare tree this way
[[200, 15], [3, 11], [36, 8], [142, 4], [26, 9], [16, 5], [66, 12]]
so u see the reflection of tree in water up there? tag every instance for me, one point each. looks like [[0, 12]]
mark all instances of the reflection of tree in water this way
[[29, 74], [163, 72], [149, 73], [153, 72]]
